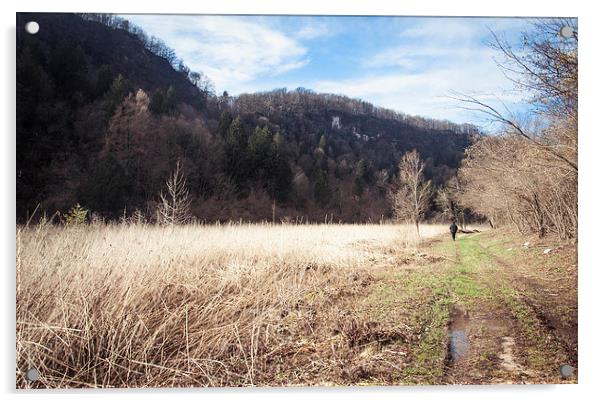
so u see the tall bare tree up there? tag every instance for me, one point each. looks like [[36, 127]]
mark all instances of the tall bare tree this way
[[411, 196], [174, 208], [447, 199], [545, 68]]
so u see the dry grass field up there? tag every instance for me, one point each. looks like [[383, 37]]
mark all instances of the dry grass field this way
[[151, 306]]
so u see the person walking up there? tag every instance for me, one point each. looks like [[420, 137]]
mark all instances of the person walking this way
[[453, 229]]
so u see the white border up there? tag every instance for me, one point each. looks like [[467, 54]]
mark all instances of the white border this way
[[590, 262], [310, 7]]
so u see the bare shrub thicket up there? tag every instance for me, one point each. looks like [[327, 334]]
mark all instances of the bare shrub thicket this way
[[410, 198], [528, 177], [513, 182], [148, 305]]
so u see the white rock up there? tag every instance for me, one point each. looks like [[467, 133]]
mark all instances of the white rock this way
[[547, 250], [336, 122]]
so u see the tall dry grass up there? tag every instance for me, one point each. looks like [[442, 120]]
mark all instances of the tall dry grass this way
[[137, 305]]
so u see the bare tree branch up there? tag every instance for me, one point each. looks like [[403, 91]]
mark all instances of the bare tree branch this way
[[492, 112]]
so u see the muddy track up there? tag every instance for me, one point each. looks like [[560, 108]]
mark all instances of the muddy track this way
[[481, 346], [562, 330], [486, 339]]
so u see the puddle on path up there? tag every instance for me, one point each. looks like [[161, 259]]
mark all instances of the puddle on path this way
[[459, 345]]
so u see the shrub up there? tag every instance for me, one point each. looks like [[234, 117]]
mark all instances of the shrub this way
[[76, 216]]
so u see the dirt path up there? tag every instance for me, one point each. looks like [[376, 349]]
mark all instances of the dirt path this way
[[509, 338], [472, 311], [537, 296]]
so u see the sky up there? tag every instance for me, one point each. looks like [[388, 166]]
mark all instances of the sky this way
[[408, 64]]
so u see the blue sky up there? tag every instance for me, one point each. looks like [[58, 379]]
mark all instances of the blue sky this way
[[408, 64]]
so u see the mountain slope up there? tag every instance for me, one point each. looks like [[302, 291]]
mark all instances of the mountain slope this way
[[102, 121]]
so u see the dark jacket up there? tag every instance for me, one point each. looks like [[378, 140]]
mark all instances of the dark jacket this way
[[453, 228]]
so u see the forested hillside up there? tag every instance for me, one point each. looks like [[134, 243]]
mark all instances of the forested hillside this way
[[105, 113]]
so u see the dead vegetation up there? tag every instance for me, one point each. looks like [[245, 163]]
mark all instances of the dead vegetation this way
[[143, 305]]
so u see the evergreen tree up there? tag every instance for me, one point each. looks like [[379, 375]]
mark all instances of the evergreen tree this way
[[259, 150], [359, 182], [109, 188], [322, 192], [170, 100], [281, 175], [104, 79], [224, 123], [119, 89], [157, 103], [277, 142], [282, 178], [236, 152]]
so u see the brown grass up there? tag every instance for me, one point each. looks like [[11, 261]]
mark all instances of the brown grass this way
[[149, 306]]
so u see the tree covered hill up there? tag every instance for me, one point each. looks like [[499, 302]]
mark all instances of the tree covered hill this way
[[104, 113]]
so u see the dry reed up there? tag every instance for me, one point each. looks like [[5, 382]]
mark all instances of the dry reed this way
[[142, 305]]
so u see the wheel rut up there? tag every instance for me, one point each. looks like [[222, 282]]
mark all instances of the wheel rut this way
[[482, 344]]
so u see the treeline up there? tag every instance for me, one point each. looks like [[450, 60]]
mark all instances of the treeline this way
[[302, 99], [527, 176]]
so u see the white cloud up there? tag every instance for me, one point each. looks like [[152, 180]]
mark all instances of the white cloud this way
[[432, 59], [435, 40], [427, 93], [443, 30], [413, 55], [415, 74], [230, 50], [460, 30], [312, 30]]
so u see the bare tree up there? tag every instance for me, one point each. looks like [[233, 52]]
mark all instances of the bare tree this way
[[411, 197], [447, 199], [545, 68], [174, 208], [546, 65]]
